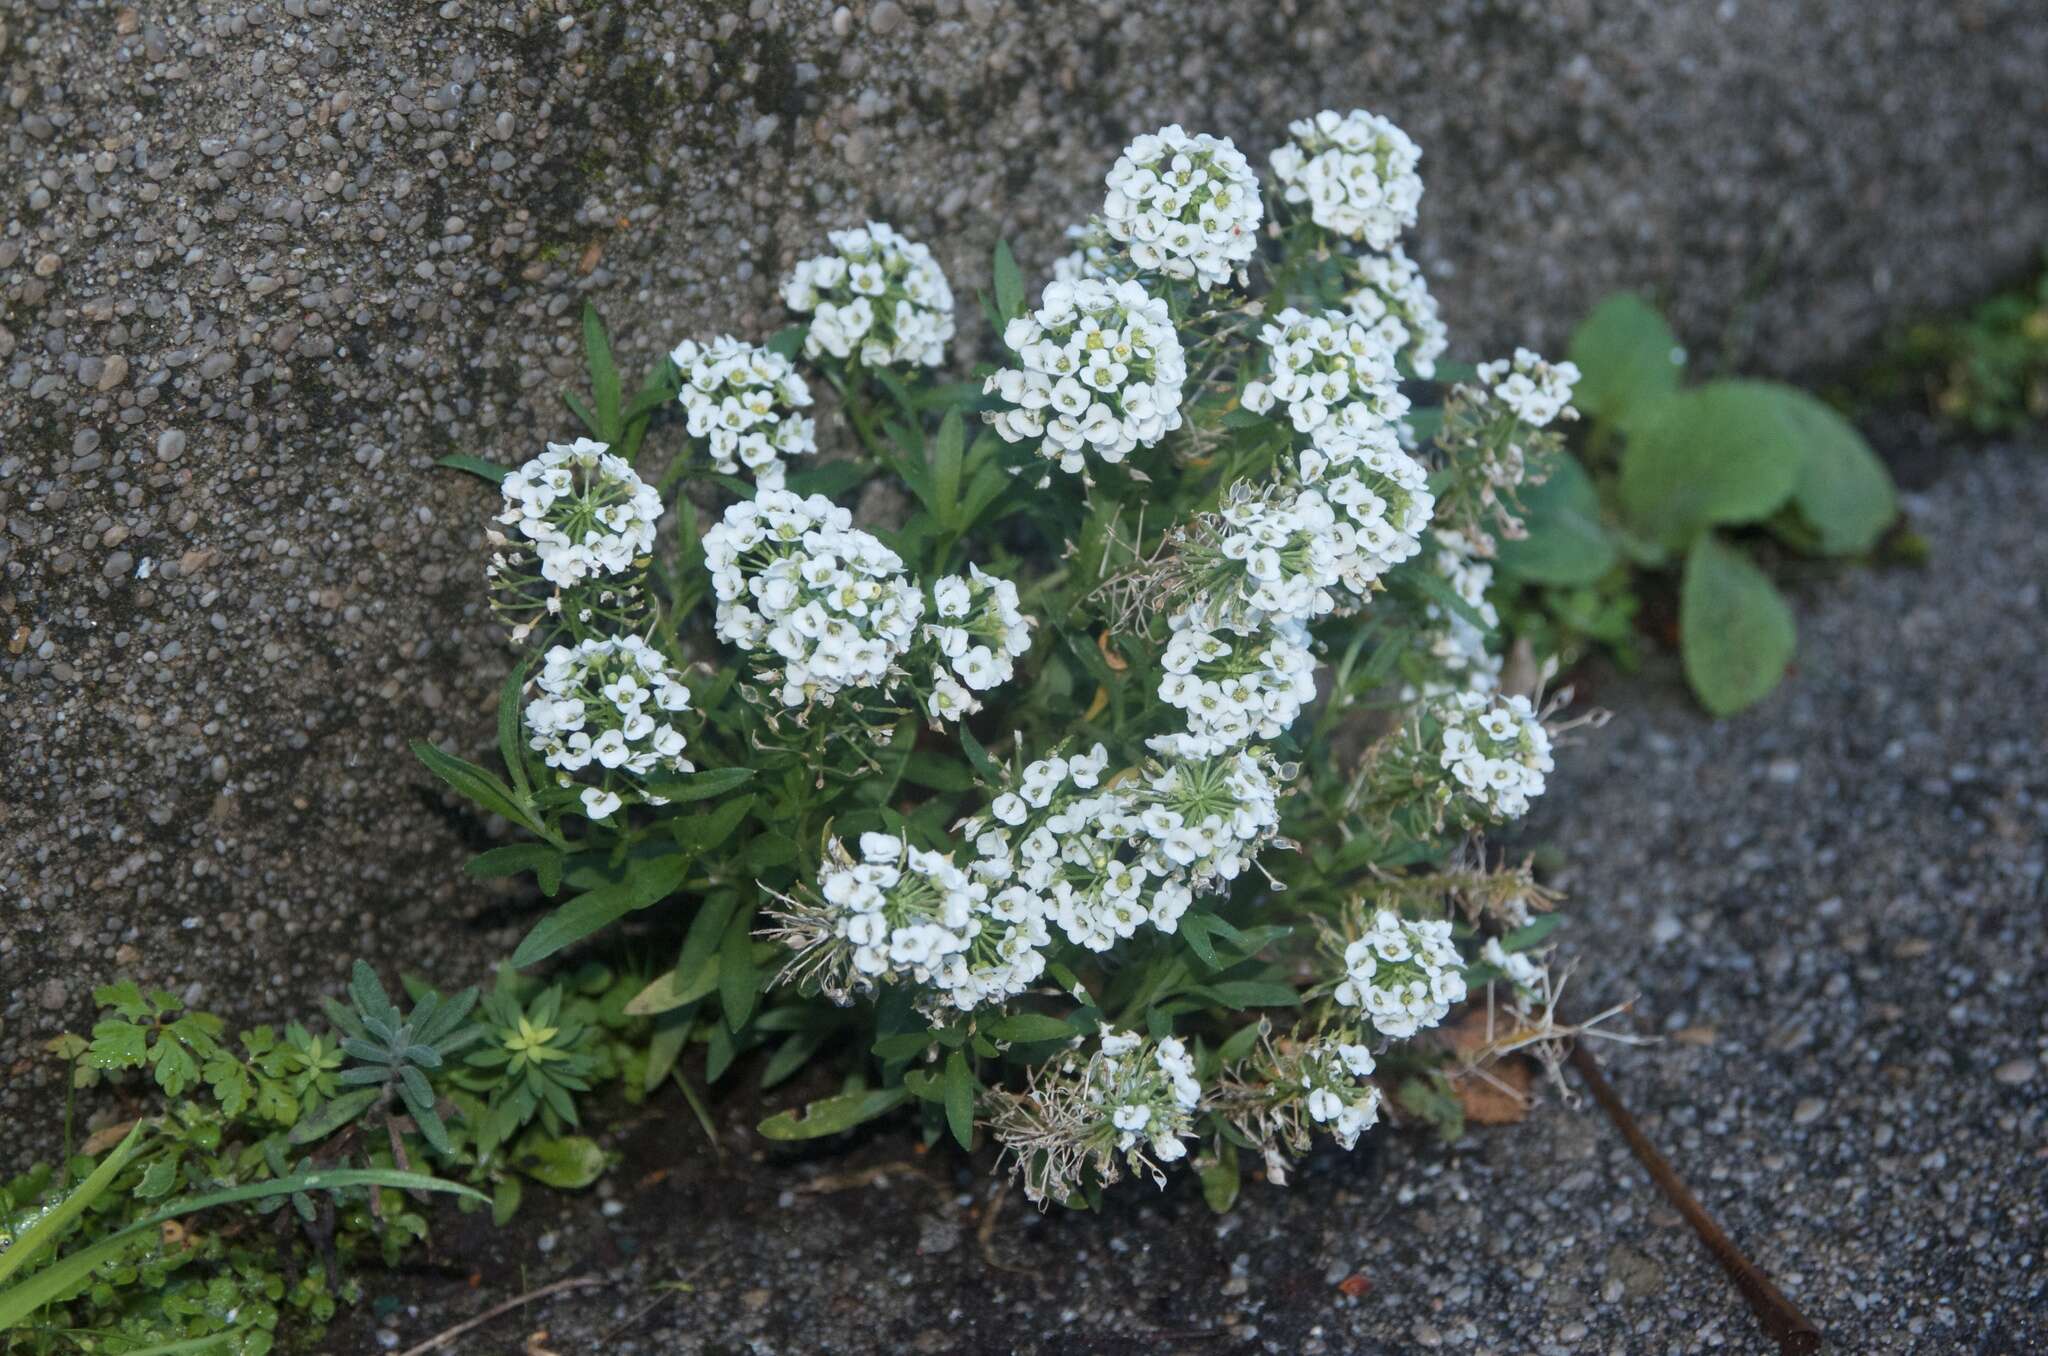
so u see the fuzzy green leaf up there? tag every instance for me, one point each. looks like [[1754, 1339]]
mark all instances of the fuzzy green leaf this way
[[567, 1164], [1736, 634], [1727, 452], [1567, 545], [833, 1114], [960, 1088], [1844, 491], [1009, 283], [1627, 357]]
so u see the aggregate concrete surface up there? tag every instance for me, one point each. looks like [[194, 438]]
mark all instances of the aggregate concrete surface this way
[[1831, 907], [260, 265]]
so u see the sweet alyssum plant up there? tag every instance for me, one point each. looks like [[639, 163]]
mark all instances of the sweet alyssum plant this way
[[1115, 779]]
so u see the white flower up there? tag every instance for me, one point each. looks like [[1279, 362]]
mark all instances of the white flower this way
[[794, 576], [1186, 207], [1101, 374], [1328, 369], [879, 296], [1534, 390], [590, 714], [1357, 173], [980, 632], [741, 402], [1496, 751], [1332, 1080], [1394, 302], [583, 514], [1234, 693], [1403, 974]]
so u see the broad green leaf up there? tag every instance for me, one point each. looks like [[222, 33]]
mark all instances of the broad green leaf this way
[[1728, 452], [1566, 545], [1627, 357], [567, 1164], [702, 833], [833, 1114], [476, 466], [1844, 491], [1009, 284], [936, 771], [1735, 633], [1025, 1027], [960, 1087], [646, 883]]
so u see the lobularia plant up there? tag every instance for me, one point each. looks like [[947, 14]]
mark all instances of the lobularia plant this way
[[1119, 787]]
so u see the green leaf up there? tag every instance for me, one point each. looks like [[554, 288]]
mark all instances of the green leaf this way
[[124, 997], [117, 1045], [739, 979], [509, 748], [65, 1276], [833, 1114], [1250, 993], [604, 373], [700, 785], [1220, 1179], [1627, 357], [1844, 491], [647, 882], [903, 1045], [1566, 545], [948, 451], [960, 1087], [567, 1164], [545, 863], [1022, 1028], [1526, 938], [476, 466], [475, 783], [1735, 633], [927, 768], [81, 1198], [702, 833], [1009, 283], [984, 766], [332, 1115], [1728, 452], [1194, 929]]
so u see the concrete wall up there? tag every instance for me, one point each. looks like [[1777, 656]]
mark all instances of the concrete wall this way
[[259, 266]]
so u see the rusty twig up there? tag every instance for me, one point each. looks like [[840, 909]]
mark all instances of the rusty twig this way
[[1794, 1333]]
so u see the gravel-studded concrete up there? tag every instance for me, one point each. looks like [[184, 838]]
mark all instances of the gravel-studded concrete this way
[[1832, 907], [260, 264]]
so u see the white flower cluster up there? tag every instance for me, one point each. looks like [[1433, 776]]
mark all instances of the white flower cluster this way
[[794, 575], [1056, 847], [1521, 970], [1403, 974], [1234, 693], [1102, 372], [593, 706], [1285, 556], [879, 294], [1147, 1091], [980, 632], [1325, 367], [1357, 173], [1186, 206], [1456, 645], [1394, 301], [1204, 820], [743, 402], [1496, 749], [1535, 390], [911, 915], [584, 510], [1094, 255], [1333, 1075]]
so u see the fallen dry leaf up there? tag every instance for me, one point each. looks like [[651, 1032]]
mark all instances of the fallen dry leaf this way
[[1117, 663], [1354, 1285], [1492, 1091]]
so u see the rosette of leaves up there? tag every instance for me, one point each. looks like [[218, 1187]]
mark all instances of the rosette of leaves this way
[[396, 1058], [536, 1060], [1692, 479]]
